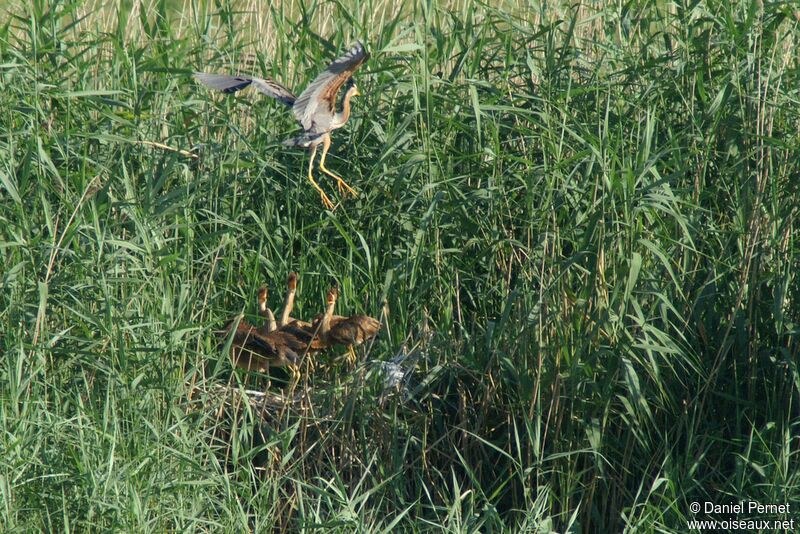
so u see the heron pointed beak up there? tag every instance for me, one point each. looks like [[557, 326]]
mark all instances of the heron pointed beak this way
[[356, 92]]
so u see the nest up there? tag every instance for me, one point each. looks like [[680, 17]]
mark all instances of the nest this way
[[221, 399]]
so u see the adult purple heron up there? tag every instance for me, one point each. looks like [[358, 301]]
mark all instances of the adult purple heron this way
[[314, 109]]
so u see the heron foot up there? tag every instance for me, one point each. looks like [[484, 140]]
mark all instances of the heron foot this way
[[344, 188], [326, 201]]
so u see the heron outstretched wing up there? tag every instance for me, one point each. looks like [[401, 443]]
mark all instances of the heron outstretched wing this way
[[231, 84], [320, 96]]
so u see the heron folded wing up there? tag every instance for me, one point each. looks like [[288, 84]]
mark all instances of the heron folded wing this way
[[319, 98], [306, 336], [354, 330], [256, 342]]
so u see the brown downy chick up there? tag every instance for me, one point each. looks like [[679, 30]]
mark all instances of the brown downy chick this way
[[348, 331], [258, 352]]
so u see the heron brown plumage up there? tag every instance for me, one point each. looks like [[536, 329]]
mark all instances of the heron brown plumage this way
[[339, 330], [314, 109], [253, 351]]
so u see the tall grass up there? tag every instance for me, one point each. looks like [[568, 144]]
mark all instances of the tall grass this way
[[583, 219]]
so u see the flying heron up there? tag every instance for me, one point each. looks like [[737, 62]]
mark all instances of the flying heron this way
[[314, 109]]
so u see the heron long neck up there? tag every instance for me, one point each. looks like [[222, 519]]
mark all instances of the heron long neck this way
[[326, 319], [266, 313], [287, 307], [342, 116], [272, 325]]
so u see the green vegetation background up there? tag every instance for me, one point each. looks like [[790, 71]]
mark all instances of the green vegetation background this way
[[583, 218]]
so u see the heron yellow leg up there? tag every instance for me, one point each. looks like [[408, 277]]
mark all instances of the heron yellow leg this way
[[325, 200], [351, 355], [339, 182], [295, 372]]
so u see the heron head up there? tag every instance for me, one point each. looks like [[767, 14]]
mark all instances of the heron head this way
[[333, 294], [352, 88], [291, 281]]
